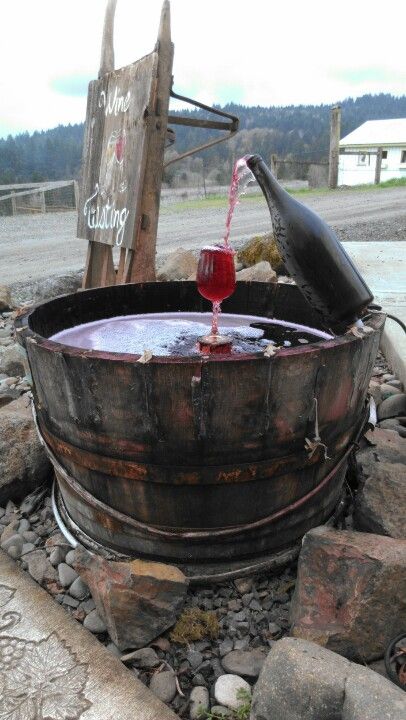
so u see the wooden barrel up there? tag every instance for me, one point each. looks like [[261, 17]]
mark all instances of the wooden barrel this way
[[196, 459]]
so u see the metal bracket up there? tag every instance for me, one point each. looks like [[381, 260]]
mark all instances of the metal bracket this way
[[231, 126]]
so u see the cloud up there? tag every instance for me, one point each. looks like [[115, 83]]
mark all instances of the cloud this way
[[70, 85], [371, 74]]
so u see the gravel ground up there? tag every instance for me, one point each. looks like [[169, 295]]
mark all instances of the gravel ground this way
[[32, 247]]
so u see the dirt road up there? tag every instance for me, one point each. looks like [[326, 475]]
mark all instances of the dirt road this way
[[32, 247]]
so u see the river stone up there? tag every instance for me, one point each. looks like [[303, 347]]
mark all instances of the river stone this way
[[163, 685], [226, 690], [143, 658], [389, 390], [302, 681], [392, 406], [199, 703], [138, 600], [350, 592], [381, 501], [23, 463], [40, 568], [220, 711], [13, 541], [57, 556], [13, 360], [244, 662], [66, 574], [94, 623], [179, 265], [78, 589]]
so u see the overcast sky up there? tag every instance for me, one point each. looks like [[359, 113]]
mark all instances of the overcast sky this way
[[257, 52]]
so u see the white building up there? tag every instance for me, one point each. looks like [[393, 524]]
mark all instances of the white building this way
[[358, 166]]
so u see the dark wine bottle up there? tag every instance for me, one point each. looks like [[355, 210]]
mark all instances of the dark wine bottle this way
[[313, 255]]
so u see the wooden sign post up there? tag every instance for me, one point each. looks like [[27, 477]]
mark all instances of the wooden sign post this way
[[123, 151], [123, 157]]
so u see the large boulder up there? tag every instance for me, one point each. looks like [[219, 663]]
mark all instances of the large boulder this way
[[261, 272], [13, 360], [381, 500], [5, 298], [259, 248], [23, 462], [302, 681], [350, 594], [137, 600], [180, 264], [46, 288]]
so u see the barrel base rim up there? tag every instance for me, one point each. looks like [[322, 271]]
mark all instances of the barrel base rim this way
[[212, 572]]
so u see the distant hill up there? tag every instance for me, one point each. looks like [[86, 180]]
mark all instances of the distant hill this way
[[295, 131]]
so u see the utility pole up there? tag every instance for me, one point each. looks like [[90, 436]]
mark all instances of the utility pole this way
[[378, 166], [335, 124]]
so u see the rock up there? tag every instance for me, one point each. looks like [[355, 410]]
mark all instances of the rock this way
[[350, 592], [375, 390], [179, 265], [390, 424], [13, 541], [381, 501], [163, 685], [302, 681], [13, 360], [40, 568], [389, 390], [23, 463], [395, 383], [226, 691], [66, 574], [194, 658], [261, 248], [386, 446], [70, 557], [199, 703], [143, 658], [78, 589], [57, 556], [219, 711], [244, 662], [10, 530], [5, 298], [138, 600], [46, 288], [225, 647], [392, 406], [94, 623], [243, 585], [261, 272]]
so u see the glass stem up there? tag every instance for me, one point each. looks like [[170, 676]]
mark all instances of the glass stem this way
[[215, 318]]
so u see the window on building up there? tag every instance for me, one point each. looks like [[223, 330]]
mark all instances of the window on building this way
[[384, 154], [403, 156], [363, 159]]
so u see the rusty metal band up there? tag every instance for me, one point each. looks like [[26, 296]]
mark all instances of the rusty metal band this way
[[185, 475], [191, 535]]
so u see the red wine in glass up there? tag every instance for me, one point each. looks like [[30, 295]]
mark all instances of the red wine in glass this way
[[216, 277]]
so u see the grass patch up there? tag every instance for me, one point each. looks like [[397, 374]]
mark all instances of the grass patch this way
[[221, 201]]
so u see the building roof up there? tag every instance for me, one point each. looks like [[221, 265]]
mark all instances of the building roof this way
[[376, 133]]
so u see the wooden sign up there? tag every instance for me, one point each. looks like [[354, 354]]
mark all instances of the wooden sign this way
[[120, 109]]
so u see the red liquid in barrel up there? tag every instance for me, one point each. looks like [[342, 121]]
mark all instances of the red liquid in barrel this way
[[216, 273]]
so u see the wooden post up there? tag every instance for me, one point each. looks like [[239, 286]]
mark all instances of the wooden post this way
[[335, 123], [43, 203], [76, 194], [274, 165], [13, 203], [378, 166], [141, 263], [99, 268]]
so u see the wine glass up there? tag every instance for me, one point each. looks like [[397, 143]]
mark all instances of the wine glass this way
[[216, 277]]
